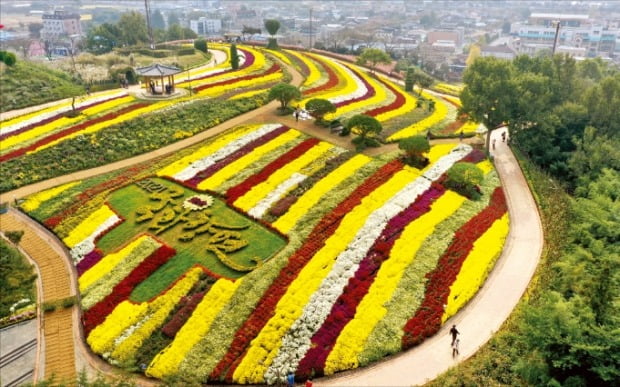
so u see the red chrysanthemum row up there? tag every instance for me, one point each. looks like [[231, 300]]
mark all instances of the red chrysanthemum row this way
[[264, 309], [427, 319]]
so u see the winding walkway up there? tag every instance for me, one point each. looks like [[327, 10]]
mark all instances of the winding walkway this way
[[477, 322]]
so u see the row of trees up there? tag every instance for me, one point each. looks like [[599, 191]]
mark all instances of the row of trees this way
[[131, 30], [565, 116]]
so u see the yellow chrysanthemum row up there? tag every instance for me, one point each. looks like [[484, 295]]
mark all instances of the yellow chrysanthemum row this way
[[30, 135], [441, 110], [315, 75], [88, 226], [265, 346], [34, 201], [138, 321], [221, 176], [261, 190], [184, 162], [476, 266], [167, 362], [353, 337], [286, 222]]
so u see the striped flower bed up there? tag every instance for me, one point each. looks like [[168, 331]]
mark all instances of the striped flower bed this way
[[375, 250]]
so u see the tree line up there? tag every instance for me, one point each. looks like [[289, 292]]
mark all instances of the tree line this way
[[131, 30], [565, 117]]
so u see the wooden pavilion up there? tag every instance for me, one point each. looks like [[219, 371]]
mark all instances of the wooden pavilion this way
[[153, 78]]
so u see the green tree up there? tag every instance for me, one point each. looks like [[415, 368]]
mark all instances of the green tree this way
[[173, 18], [132, 27], [249, 31], [8, 58], [188, 33], [414, 148], [319, 107], [603, 104], [272, 26], [367, 128], [489, 94], [102, 38], [409, 79], [175, 32], [593, 153], [234, 57], [34, 30], [284, 93], [157, 20], [201, 45], [373, 57], [464, 178]]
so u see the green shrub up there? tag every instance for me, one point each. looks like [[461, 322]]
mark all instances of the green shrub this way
[[464, 178], [14, 236], [201, 45]]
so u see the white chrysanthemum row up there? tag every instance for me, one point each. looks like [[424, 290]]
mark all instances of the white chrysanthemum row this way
[[297, 342], [262, 206], [359, 91], [230, 148], [88, 244], [46, 115]]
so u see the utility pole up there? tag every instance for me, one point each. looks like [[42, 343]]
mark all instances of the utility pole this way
[[148, 23], [310, 36], [556, 24]]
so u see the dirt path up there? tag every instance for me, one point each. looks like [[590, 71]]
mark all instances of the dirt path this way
[[477, 321]]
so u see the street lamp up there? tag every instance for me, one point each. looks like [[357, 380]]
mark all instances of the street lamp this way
[[556, 24]]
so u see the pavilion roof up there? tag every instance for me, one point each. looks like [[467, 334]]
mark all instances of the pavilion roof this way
[[157, 70]]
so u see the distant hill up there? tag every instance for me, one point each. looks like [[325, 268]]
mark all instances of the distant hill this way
[[26, 84]]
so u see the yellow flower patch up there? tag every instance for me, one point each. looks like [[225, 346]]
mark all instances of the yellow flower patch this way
[[34, 201]]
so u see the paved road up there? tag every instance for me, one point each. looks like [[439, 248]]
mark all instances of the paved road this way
[[18, 349], [487, 311], [477, 321]]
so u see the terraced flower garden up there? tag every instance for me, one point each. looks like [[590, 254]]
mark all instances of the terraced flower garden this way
[[264, 251]]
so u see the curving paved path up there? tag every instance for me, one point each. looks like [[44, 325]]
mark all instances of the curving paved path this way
[[477, 321]]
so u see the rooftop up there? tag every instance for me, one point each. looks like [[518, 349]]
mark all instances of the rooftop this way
[[157, 70]]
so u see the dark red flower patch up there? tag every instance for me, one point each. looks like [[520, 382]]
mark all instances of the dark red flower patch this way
[[427, 319], [273, 69], [244, 150], [346, 305], [264, 309], [249, 61], [241, 189], [121, 292], [332, 79]]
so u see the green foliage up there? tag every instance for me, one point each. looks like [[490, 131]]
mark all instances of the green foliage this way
[[409, 80], [272, 26], [123, 140], [17, 278], [14, 236], [319, 107], [284, 93], [364, 125], [132, 28], [8, 58], [372, 57], [109, 380], [414, 148], [201, 45], [27, 84], [464, 178], [234, 57]]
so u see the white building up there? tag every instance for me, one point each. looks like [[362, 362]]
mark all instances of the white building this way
[[577, 31], [204, 26], [60, 24]]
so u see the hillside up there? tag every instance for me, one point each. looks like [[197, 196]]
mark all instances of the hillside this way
[[28, 84]]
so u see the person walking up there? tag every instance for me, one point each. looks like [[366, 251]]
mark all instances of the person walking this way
[[290, 380], [454, 332], [455, 347], [504, 136], [461, 136], [493, 144]]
